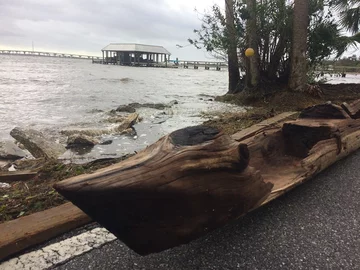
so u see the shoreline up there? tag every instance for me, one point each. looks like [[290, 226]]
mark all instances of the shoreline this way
[[26, 197]]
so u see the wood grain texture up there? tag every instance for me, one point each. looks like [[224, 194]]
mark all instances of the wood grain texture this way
[[183, 186], [352, 109], [21, 233]]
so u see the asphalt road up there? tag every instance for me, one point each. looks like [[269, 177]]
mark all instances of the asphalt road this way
[[315, 226]]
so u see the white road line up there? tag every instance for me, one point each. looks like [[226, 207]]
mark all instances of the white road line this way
[[59, 252]]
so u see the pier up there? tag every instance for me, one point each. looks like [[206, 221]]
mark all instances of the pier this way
[[207, 65], [49, 54]]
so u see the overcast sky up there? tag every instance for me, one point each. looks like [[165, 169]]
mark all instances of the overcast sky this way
[[86, 26]]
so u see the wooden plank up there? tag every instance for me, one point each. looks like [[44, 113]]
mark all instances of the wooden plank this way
[[257, 128], [17, 176], [19, 234]]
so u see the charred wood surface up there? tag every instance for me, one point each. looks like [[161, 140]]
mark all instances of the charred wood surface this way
[[185, 185], [197, 179]]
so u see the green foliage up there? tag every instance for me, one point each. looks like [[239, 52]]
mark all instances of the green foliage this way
[[274, 21], [349, 11], [212, 35]]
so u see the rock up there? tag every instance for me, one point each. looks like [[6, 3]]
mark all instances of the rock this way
[[157, 106], [107, 142], [77, 140], [128, 122], [131, 107], [210, 99], [9, 150], [4, 185], [29, 164], [126, 108], [35, 142], [174, 102]]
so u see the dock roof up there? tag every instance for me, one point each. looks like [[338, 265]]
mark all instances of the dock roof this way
[[133, 47]]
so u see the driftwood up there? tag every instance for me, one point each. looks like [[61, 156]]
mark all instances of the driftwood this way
[[17, 176], [353, 109], [197, 179]]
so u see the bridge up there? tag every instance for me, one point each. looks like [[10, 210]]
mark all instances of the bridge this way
[[48, 54]]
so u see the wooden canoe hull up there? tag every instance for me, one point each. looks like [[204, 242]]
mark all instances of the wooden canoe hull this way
[[197, 179]]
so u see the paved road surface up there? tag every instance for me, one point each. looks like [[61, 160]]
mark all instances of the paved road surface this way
[[315, 226]]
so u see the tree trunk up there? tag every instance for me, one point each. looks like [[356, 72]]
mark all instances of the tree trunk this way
[[253, 74], [233, 63], [298, 75]]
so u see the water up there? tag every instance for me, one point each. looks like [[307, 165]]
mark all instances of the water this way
[[52, 94]]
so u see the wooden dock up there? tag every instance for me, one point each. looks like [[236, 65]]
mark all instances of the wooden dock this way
[[169, 64], [49, 54], [202, 64], [207, 65]]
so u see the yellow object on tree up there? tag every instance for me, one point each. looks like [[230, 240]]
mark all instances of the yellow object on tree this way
[[249, 52]]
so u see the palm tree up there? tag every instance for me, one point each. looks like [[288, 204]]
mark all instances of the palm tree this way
[[298, 72], [233, 63], [349, 11], [252, 72]]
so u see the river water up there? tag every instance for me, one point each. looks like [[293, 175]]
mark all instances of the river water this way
[[52, 94]]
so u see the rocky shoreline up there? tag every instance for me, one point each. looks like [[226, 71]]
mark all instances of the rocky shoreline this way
[[32, 144]]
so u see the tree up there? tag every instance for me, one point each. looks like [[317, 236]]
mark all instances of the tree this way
[[233, 64], [298, 75], [252, 75], [273, 35]]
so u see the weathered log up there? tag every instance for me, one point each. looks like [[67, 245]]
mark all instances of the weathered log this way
[[353, 109], [17, 176], [197, 179], [324, 111], [188, 183]]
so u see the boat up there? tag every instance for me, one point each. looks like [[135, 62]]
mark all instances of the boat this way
[[197, 179]]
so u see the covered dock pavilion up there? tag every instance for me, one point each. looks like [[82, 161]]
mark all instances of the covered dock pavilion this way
[[133, 54]]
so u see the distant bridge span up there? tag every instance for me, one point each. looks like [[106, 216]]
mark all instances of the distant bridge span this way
[[48, 54]]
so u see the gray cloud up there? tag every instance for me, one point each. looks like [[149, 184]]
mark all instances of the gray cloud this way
[[89, 25]]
